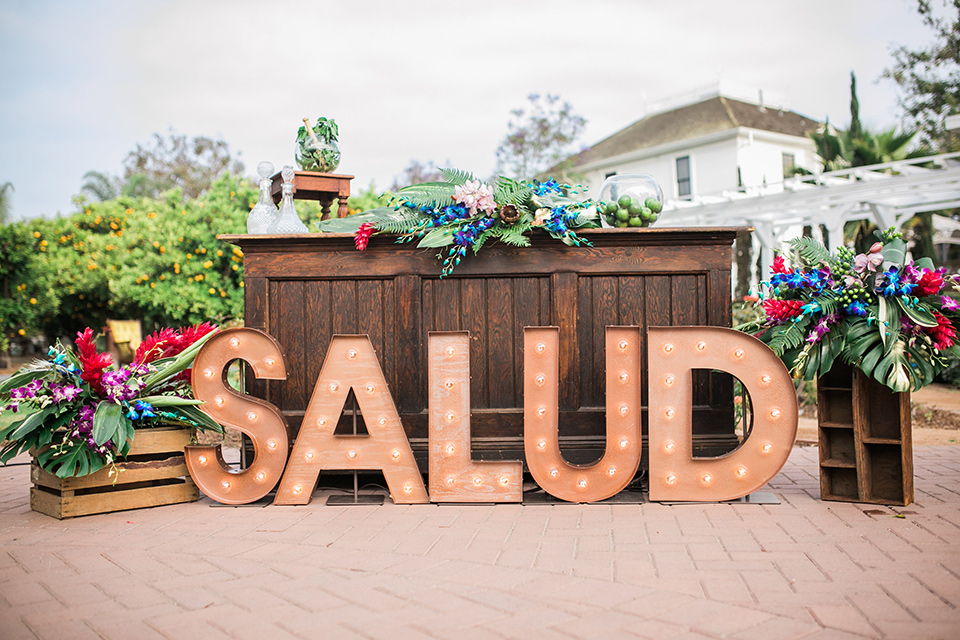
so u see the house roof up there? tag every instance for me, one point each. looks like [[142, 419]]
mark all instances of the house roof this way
[[713, 115]]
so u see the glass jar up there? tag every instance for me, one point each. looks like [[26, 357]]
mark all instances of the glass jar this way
[[316, 154], [629, 200]]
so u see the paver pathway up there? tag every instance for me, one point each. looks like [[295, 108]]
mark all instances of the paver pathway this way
[[801, 569]]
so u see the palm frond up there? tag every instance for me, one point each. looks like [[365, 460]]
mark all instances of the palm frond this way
[[399, 222], [787, 337], [456, 176], [811, 251], [428, 194], [513, 235]]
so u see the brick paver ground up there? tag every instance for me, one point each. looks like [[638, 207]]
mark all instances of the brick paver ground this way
[[800, 569]]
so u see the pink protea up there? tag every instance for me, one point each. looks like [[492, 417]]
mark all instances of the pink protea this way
[[782, 310], [362, 237]]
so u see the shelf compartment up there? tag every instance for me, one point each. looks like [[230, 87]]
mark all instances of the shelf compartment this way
[[884, 475], [838, 445], [838, 484]]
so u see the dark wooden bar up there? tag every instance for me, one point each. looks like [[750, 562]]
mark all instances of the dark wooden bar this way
[[303, 289]]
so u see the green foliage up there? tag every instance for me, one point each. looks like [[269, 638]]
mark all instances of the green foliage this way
[[172, 162], [812, 251], [929, 77], [157, 260]]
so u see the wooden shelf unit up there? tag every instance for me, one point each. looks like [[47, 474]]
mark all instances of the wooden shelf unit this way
[[866, 448]]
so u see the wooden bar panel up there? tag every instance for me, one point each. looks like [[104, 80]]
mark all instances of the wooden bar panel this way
[[304, 289]]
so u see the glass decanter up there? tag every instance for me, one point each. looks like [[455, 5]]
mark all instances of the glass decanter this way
[[287, 220], [265, 212]]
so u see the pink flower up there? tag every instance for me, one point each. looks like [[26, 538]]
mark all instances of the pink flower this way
[[870, 260], [948, 303], [475, 196]]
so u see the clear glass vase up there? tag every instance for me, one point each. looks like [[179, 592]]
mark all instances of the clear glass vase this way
[[318, 155], [630, 200]]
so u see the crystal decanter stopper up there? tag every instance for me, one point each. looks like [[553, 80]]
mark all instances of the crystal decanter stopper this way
[[287, 221], [264, 213]]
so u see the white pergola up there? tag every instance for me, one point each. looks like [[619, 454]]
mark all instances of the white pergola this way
[[887, 194]]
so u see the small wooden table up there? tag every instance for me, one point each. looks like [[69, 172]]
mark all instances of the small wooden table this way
[[311, 185]]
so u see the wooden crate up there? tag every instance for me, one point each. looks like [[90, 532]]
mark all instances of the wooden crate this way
[[154, 473], [866, 449]]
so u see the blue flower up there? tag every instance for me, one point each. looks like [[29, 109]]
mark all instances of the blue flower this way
[[856, 308]]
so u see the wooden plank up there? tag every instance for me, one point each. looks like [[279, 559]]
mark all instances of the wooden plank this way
[[410, 343], [288, 326], [501, 330], [473, 298], [631, 313], [526, 295], [496, 260], [605, 311], [564, 312], [160, 440], [127, 472], [82, 505], [318, 315]]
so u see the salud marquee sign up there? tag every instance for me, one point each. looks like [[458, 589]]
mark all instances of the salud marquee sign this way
[[675, 475]]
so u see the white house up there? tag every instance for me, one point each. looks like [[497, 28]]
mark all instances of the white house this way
[[716, 144]]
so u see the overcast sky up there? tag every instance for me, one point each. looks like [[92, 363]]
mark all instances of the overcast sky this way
[[81, 83]]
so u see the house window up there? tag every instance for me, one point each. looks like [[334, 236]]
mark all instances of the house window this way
[[683, 176], [789, 164]]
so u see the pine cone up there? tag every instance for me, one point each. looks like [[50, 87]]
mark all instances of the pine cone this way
[[509, 213]]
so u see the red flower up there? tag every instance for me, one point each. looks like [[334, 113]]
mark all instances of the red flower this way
[[779, 266], [782, 310], [169, 343], [92, 363], [930, 283], [153, 346], [944, 335], [362, 236]]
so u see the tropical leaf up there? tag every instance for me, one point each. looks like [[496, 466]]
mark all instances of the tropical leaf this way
[[183, 361], [788, 336], [811, 251], [513, 235], [193, 415], [169, 401], [427, 194], [456, 176], [108, 423], [924, 263], [917, 314], [436, 238], [26, 375], [894, 253], [398, 222]]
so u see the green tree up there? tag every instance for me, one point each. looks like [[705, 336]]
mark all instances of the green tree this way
[[100, 186], [856, 147], [538, 136], [5, 188], [928, 78], [174, 161]]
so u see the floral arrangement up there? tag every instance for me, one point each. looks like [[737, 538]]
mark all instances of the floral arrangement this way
[[80, 415], [892, 318], [460, 214]]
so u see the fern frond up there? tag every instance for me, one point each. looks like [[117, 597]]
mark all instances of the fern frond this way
[[456, 176], [428, 194], [512, 192], [399, 222], [789, 336], [811, 251], [513, 235]]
